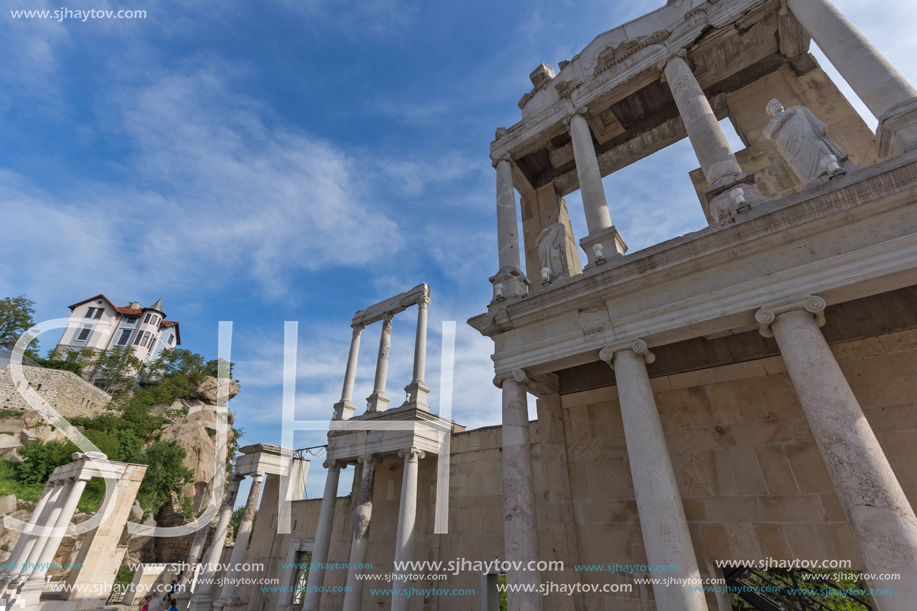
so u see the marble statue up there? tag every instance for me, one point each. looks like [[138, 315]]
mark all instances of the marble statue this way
[[803, 141], [552, 251]]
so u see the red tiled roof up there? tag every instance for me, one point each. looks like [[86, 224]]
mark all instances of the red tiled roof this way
[[169, 323], [130, 312]]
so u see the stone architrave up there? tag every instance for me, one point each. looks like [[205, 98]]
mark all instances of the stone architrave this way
[[552, 251], [803, 141]]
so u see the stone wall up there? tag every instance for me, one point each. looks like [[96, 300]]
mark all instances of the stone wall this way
[[753, 482], [66, 392]]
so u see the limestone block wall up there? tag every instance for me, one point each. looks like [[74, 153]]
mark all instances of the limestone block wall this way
[[66, 392]]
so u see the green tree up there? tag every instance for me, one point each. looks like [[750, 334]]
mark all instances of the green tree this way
[[166, 473], [114, 370], [41, 459], [15, 318]]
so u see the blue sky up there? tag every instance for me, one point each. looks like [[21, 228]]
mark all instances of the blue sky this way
[[299, 160]]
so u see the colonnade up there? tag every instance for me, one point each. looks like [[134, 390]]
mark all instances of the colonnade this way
[[880, 516], [404, 539], [882, 88], [378, 401], [34, 551]]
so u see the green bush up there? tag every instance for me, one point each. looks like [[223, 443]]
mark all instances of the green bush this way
[[39, 460]]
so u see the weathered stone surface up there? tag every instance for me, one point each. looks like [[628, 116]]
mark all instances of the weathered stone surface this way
[[207, 390], [66, 392]]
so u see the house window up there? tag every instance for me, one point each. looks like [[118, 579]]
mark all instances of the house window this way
[[138, 339], [147, 319], [131, 320], [94, 313], [83, 334], [171, 339], [301, 577], [146, 338], [125, 337]]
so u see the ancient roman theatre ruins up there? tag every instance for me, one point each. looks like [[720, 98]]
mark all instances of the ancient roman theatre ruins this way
[[743, 392]]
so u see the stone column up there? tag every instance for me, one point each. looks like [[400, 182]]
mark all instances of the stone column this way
[[26, 541], [520, 524], [713, 152], [197, 545], [322, 542], [345, 407], [883, 89], [69, 499], [879, 514], [241, 545], [48, 519], [417, 390], [601, 232], [353, 598], [509, 280], [203, 597], [407, 516], [662, 515], [377, 402]]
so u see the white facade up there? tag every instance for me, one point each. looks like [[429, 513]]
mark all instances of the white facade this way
[[99, 324]]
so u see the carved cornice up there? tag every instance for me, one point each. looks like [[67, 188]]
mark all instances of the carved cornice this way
[[813, 304], [412, 454], [612, 55], [639, 346]]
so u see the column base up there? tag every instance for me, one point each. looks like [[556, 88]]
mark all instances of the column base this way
[[897, 132], [343, 410], [724, 203], [611, 243], [29, 595], [201, 603], [377, 402], [417, 396], [509, 282]]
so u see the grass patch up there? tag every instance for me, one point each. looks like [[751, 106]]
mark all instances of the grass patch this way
[[11, 413], [9, 484]]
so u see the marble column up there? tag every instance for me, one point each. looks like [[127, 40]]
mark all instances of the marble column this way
[[662, 515], [323, 530], [240, 547], [203, 596], [377, 402], [69, 500], [710, 145], [509, 280], [344, 409], [26, 541], [48, 519], [353, 597], [883, 89], [407, 516], [878, 512], [598, 220], [417, 391], [520, 523]]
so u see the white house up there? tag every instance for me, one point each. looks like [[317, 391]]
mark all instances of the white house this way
[[99, 324]]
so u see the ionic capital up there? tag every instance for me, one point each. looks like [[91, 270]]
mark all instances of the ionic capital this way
[[357, 328], [813, 304], [582, 111], [638, 346], [495, 161], [369, 459], [423, 302], [412, 454], [334, 464], [662, 63]]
